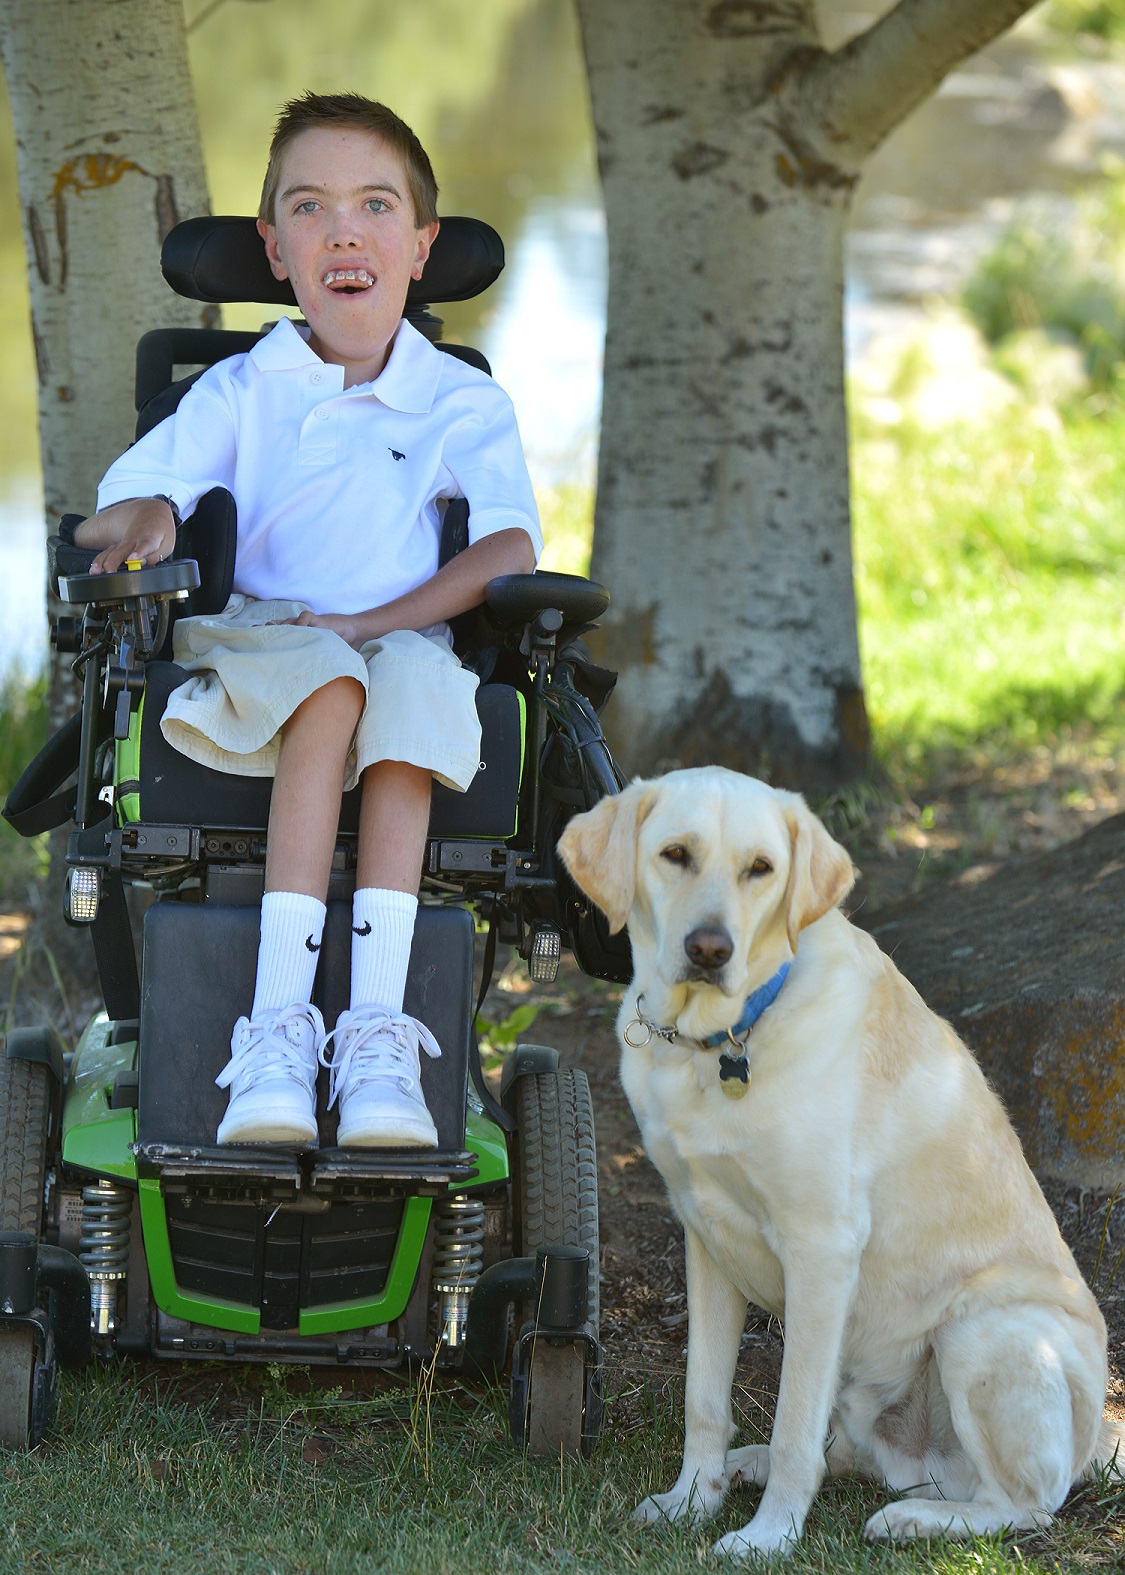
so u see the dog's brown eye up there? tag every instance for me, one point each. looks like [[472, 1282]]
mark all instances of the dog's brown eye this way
[[676, 854], [760, 867]]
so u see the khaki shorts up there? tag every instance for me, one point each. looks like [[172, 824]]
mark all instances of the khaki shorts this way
[[249, 674]]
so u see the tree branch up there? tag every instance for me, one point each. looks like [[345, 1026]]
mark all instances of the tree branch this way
[[862, 91]]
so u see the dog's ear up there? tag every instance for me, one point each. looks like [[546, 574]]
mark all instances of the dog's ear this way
[[599, 848], [821, 873]]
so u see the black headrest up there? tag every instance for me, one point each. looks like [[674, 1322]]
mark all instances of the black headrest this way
[[223, 259]]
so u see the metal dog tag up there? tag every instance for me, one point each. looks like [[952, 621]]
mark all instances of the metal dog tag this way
[[734, 1075]]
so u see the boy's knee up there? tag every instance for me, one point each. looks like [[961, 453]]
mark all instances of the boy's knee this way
[[339, 694]]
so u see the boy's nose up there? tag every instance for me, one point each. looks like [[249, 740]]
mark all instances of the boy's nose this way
[[343, 231]]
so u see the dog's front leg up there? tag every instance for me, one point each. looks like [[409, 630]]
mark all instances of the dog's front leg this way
[[716, 1315], [818, 1291]]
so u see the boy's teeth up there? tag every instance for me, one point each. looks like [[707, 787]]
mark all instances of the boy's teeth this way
[[347, 276]]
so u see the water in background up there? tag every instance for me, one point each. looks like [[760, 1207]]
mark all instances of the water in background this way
[[497, 94]]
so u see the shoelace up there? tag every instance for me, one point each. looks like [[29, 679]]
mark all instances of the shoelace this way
[[381, 1044], [263, 1048]]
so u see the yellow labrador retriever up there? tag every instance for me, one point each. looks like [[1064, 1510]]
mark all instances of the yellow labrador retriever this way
[[837, 1157]]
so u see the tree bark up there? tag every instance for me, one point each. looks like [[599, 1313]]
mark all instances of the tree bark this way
[[109, 160], [730, 142]]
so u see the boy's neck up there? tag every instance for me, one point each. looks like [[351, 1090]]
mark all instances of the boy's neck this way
[[358, 369]]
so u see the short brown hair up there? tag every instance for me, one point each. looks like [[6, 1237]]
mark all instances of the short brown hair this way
[[351, 111]]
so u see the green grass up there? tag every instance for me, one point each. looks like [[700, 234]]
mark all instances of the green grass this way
[[989, 563], [149, 1469]]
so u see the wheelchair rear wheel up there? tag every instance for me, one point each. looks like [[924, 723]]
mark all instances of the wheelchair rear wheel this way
[[25, 1382], [555, 1203]]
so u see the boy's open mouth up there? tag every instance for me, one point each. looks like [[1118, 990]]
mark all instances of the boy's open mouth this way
[[347, 281]]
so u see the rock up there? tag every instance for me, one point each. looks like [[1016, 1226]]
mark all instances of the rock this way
[[1027, 961]]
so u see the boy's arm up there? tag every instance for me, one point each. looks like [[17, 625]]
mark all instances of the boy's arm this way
[[455, 588], [137, 528]]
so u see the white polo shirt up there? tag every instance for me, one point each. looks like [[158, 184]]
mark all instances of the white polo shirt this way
[[337, 489]]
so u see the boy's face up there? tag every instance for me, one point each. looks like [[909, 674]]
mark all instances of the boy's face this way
[[344, 235]]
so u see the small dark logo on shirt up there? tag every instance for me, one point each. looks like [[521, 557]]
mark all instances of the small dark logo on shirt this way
[[309, 944], [366, 930], [396, 455]]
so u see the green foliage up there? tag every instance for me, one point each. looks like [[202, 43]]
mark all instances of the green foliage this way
[[1063, 272], [498, 1037], [23, 728], [1103, 20]]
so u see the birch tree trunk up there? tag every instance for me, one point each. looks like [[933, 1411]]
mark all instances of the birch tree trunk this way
[[109, 160], [730, 142]]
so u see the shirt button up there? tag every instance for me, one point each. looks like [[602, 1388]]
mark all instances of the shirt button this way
[[322, 415], [317, 377]]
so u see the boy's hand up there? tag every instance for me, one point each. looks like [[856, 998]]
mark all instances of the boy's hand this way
[[343, 624], [138, 528], [454, 589]]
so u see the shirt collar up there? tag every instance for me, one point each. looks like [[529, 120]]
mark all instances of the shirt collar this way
[[407, 383]]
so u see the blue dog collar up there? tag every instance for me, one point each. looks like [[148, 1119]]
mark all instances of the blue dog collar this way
[[761, 1000]]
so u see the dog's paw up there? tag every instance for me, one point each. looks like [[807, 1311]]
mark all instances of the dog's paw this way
[[694, 1506], [752, 1542], [926, 1518], [749, 1467]]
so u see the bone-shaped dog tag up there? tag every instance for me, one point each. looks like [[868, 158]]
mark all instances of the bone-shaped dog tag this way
[[734, 1075]]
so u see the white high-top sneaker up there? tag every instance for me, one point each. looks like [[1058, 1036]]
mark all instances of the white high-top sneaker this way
[[373, 1059], [271, 1075]]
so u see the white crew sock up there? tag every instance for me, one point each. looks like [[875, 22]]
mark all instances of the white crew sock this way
[[292, 927], [382, 930]]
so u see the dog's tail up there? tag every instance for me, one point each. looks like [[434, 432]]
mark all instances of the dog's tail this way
[[1109, 1455]]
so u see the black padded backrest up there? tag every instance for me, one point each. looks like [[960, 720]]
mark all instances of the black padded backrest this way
[[222, 258]]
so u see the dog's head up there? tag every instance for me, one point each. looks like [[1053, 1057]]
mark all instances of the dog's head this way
[[716, 875]]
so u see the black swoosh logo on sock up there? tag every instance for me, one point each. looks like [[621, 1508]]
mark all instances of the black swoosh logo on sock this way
[[309, 944], [365, 931]]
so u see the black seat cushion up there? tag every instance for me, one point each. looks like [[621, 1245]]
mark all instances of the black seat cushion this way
[[174, 790]]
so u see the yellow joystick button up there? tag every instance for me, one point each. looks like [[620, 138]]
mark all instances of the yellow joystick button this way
[[134, 563]]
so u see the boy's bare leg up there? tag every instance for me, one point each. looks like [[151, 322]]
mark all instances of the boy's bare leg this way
[[305, 807], [393, 821], [376, 1073]]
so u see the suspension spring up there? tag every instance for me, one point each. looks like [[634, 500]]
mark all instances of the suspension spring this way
[[458, 1260], [103, 1248]]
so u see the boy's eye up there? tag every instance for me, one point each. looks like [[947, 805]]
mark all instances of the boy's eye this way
[[308, 206], [378, 204]]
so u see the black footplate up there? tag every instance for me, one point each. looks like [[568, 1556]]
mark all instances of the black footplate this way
[[284, 1173]]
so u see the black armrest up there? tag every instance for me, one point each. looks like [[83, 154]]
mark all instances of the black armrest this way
[[515, 599]]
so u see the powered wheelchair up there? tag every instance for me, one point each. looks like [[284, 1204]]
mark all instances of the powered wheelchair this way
[[124, 1228]]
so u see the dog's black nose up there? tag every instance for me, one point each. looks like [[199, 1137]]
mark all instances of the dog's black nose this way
[[708, 949]]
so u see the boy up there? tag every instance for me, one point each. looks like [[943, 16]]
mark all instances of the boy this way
[[337, 441]]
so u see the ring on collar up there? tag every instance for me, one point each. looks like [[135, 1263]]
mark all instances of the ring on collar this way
[[651, 1030]]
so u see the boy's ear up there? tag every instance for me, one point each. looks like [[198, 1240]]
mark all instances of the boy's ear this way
[[268, 232], [426, 238]]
